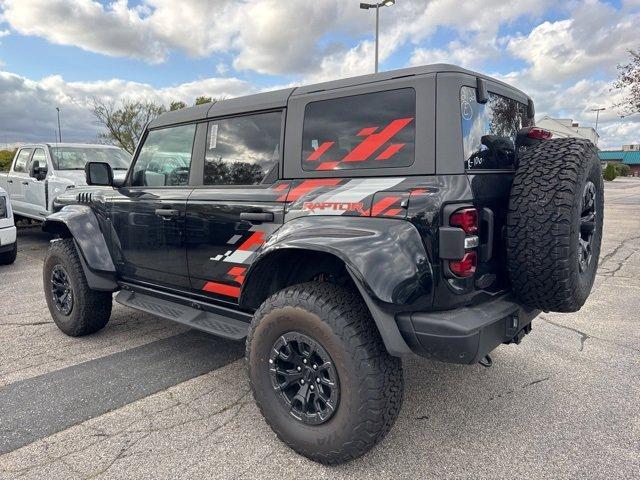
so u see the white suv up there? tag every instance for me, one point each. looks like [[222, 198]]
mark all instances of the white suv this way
[[8, 241]]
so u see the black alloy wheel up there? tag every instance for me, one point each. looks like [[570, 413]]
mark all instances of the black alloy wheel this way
[[304, 374], [61, 290]]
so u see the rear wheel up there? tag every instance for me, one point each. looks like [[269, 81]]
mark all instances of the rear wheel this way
[[75, 308], [7, 258], [320, 373], [554, 224]]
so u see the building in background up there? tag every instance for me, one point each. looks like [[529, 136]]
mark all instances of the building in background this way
[[566, 127], [629, 155]]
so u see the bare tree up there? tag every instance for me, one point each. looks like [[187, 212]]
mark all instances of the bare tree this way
[[629, 82], [124, 123]]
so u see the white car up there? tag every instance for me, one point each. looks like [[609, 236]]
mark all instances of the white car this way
[[40, 172], [8, 241]]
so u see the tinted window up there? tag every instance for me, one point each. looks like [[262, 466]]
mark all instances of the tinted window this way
[[75, 158], [373, 130], [489, 130], [165, 158], [242, 150], [21, 161]]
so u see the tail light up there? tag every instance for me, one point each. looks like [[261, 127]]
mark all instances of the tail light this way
[[466, 219], [465, 267], [539, 133]]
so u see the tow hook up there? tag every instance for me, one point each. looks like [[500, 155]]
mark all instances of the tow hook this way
[[486, 361]]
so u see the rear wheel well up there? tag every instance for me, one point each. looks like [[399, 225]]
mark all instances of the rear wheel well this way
[[287, 267]]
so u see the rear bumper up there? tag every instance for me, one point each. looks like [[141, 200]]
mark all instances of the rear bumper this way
[[465, 335], [7, 238]]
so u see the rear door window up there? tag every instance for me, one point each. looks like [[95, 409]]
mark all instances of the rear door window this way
[[489, 130], [22, 160], [373, 130], [243, 150]]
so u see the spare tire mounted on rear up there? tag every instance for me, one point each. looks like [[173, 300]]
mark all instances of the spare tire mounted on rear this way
[[554, 224]]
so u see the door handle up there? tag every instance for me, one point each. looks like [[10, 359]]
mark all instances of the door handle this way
[[166, 212], [25, 183], [9, 181], [257, 216]]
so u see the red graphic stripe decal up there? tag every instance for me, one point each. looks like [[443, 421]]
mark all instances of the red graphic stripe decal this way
[[380, 206], [390, 151], [320, 151], [236, 271], [365, 132], [392, 212], [222, 289], [373, 142], [309, 185], [256, 238], [327, 165]]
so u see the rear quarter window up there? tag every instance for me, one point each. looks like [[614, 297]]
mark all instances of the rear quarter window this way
[[372, 130], [489, 130]]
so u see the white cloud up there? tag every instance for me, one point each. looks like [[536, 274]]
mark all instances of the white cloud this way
[[37, 122]]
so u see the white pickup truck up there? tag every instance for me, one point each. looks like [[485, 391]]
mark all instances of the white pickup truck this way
[[8, 243], [40, 172]]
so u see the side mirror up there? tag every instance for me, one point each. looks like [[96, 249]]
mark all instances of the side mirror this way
[[98, 174], [39, 172]]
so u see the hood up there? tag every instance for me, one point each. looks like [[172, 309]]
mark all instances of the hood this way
[[78, 178]]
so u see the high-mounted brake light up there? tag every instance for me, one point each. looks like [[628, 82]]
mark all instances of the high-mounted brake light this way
[[539, 133], [465, 267], [466, 219]]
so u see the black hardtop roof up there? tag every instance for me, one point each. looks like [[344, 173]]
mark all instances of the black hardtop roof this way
[[278, 98]]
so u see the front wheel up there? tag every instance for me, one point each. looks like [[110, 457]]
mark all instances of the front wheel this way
[[320, 373], [75, 308]]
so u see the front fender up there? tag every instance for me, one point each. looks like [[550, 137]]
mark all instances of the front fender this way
[[385, 255], [81, 222]]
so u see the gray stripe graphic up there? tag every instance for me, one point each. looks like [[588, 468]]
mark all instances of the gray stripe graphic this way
[[38, 407]]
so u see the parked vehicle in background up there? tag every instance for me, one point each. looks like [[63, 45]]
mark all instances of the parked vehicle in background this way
[[8, 241], [339, 227], [40, 172]]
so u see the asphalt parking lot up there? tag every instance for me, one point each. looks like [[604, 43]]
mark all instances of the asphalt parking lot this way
[[145, 398]]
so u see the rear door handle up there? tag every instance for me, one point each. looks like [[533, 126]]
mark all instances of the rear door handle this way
[[25, 183], [9, 181], [257, 216], [167, 212]]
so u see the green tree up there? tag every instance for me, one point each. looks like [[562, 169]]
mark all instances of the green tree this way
[[6, 157], [124, 123], [202, 99], [629, 82], [622, 170], [609, 172], [177, 105]]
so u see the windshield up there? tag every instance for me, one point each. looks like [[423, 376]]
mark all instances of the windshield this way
[[75, 158]]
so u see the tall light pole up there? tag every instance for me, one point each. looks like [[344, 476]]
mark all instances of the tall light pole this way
[[367, 6], [59, 131], [597, 110]]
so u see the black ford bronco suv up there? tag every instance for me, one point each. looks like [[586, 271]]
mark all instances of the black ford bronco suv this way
[[338, 227]]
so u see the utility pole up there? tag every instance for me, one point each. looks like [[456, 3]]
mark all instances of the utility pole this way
[[597, 110], [59, 131], [367, 6]]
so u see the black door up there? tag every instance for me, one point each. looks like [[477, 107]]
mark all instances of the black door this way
[[239, 204], [149, 218]]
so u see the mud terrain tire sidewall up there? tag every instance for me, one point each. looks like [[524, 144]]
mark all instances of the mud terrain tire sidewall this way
[[371, 384], [543, 224], [91, 309]]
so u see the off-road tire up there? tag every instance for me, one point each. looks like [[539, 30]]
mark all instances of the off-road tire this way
[[7, 258], [91, 308], [371, 383], [543, 224]]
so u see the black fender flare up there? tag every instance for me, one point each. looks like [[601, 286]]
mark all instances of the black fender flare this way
[[385, 257], [81, 223]]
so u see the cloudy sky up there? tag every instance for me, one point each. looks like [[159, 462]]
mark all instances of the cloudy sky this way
[[66, 52]]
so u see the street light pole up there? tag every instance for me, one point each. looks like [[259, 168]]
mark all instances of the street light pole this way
[[597, 110], [59, 131], [367, 6]]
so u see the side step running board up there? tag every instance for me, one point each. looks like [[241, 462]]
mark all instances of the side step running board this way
[[198, 319]]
